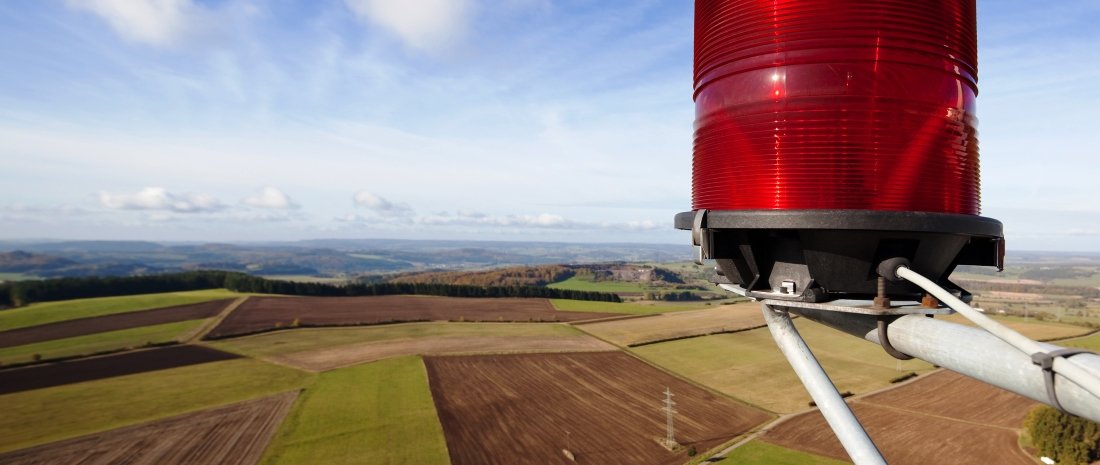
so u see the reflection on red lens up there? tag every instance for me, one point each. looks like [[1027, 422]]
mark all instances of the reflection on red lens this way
[[836, 104]]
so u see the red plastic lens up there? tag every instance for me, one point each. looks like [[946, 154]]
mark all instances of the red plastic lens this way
[[836, 104]]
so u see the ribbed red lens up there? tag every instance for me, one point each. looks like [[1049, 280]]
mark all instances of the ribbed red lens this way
[[836, 104]]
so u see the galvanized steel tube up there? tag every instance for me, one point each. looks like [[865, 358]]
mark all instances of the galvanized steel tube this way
[[840, 418], [972, 352]]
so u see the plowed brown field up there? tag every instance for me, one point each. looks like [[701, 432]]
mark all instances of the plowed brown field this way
[[115, 322], [234, 435], [264, 313], [108, 366], [604, 407], [942, 418]]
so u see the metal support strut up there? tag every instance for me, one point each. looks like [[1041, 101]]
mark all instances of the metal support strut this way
[[840, 418]]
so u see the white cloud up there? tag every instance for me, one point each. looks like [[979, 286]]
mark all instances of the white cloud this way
[[423, 24], [155, 22], [158, 198], [376, 203], [270, 197]]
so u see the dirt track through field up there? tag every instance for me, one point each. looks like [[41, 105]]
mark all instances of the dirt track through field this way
[[265, 313], [604, 407], [115, 322], [341, 356], [943, 417], [108, 366], [236, 434]]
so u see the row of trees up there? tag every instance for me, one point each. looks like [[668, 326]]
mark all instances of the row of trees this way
[[1066, 438], [19, 293]]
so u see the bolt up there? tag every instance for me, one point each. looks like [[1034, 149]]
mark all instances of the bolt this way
[[881, 301]]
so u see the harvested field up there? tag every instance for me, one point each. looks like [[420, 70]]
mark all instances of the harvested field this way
[[943, 418], [604, 407], [342, 356], [88, 369], [1032, 328], [115, 322], [236, 434], [677, 325], [265, 313], [949, 394], [749, 366]]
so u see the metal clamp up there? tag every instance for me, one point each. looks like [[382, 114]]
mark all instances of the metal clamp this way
[[883, 322], [1045, 360], [699, 236]]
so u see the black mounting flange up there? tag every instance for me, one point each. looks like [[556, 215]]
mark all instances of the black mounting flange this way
[[820, 255]]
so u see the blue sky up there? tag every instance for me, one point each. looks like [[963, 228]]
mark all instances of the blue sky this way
[[466, 119]]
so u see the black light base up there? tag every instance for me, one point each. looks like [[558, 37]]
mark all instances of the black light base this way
[[822, 255]]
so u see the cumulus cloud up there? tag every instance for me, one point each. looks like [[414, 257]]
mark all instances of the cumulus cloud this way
[[270, 197], [158, 198], [155, 22], [376, 203], [422, 24]]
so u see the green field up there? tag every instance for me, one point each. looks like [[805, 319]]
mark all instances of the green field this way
[[1030, 327], [1091, 342], [45, 415], [567, 305], [762, 453], [577, 283], [301, 278], [303, 339], [99, 342], [49, 312], [381, 412], [749, 366], [16, 277]]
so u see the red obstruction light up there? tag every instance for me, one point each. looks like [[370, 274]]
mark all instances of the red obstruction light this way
[[820, 116]]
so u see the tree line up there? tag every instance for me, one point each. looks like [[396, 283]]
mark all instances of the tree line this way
[[19, 293], [1066, 438]]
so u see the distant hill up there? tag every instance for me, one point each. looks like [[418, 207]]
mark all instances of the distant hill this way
[[542, 275], [23, 262], [326, 258], [511, 276]]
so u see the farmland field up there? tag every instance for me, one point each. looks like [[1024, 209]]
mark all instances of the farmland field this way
[[320, 349], [632, 308], [264, 313], [678, 324], [1091, 342], [1032, 328], [115, 322], [49, 312], [233, 435], [603, 407], [16, 277], [380, 412], [748, 365], [577, 283], [45, 415], [107, 366], [967, 423], [761, 453], [100, 342]]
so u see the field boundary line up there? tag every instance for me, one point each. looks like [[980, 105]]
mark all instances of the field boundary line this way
[[202, 330], [755, 433], [941, 417], [610, 318], [1070, 338], [693, 336], [697, 384]]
